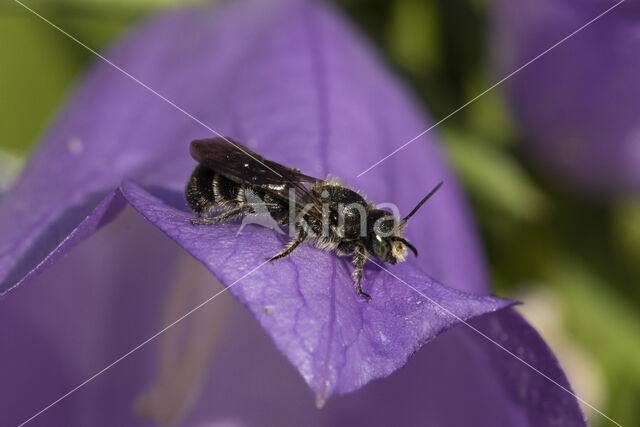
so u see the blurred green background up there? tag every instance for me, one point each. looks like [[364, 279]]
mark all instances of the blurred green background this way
[[573, 261]]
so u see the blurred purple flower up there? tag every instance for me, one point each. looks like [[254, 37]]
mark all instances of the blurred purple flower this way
[[292, 81], [579, 105]]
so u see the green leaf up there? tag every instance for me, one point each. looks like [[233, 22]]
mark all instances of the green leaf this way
[[10, 166], [119, 4], [37, 71], [626, 230], [495, 179], [608, 325], [40, 66], [413, 35], [489, 115]]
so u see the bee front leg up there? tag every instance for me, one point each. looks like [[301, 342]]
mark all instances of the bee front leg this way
[[300, 237], [359, 258]]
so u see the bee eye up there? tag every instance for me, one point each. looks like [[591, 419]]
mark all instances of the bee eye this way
[[384, 226]]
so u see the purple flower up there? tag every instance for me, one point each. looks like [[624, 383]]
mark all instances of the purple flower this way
[[292, 81], [578, 104]]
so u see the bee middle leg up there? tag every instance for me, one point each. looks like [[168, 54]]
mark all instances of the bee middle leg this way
[[300, 237], [359, 258]]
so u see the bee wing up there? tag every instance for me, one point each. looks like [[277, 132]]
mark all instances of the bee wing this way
[[234, 160]]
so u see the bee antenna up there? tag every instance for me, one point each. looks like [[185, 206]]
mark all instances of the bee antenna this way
[[406, 243], [419, 205]]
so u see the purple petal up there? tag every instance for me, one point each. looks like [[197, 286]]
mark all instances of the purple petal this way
[[308, 305], [81, 314], [104, 213], [295, 85], [459, 379], [50, 343], [578, 104]]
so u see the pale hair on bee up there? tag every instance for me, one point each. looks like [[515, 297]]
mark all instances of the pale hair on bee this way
[[325, 213]]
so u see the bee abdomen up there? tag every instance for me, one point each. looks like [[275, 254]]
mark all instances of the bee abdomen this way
[[199, 190], [207, 190], [226, 191]]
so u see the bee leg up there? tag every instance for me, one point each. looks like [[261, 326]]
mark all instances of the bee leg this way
[[222, 217], [301, 236], [245, 209], [359, 258]]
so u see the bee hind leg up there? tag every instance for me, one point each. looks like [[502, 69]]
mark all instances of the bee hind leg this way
[[359, 258], [230, 214], [222, 217], [300, 237]]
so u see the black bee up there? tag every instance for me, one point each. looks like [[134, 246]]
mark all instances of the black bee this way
[[323, 212]]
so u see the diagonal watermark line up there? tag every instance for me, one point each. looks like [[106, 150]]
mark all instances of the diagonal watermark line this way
[[513, 73], [499, 345], [144, 85], [138, 347]]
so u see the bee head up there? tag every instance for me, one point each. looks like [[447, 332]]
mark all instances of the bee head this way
[[384, 239]]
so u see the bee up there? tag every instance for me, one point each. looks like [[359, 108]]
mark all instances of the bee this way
[[325, 213]]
